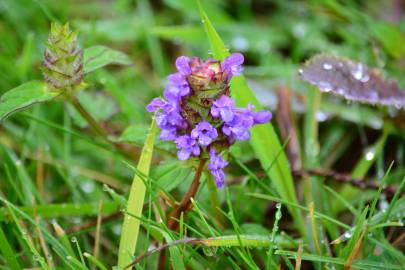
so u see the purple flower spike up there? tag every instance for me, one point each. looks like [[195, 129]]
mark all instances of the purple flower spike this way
[[233, 64], [205, 133], [224, 107], [216, 166], [186, 146], [183, 65]]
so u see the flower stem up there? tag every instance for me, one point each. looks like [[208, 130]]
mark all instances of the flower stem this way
[[185, 205], [90, 120]]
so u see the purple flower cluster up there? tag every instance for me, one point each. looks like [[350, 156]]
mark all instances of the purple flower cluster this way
[[198, 114]]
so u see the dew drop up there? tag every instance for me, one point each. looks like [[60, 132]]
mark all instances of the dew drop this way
[[327, 66], [357, 72], [383, 205], [365, 78], [116, 229], [321, 116], [348, 234], [73, 239], [300, 71], [87, 186], [325, 86], [278, 205], [370, 154]]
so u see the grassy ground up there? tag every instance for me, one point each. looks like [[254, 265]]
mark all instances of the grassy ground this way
[[319, 188]]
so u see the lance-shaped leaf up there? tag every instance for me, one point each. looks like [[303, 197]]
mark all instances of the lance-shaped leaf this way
[[99, 56], [24, 96], [352, 80]]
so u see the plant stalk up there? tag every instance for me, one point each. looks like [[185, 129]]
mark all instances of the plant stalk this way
[[90, 120], [185, 205]]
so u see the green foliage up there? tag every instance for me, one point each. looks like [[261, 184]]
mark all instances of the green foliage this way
[[130, 227], [23, 96], [54, 171]]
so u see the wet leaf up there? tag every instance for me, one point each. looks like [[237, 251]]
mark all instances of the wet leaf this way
[[352, 80], [99, 56], [24, 96]]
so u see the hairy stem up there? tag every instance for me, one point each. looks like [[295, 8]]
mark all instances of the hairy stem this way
[[90, 120], [185, 205]]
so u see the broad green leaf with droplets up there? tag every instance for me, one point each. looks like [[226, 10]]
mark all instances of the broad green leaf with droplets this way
[[130, 227], [264, 139], [99, 56], [23, 96]]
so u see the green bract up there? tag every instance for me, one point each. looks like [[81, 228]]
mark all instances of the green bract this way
[[63, 59]]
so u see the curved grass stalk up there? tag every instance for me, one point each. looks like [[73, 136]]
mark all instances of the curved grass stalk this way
[[130, 227]]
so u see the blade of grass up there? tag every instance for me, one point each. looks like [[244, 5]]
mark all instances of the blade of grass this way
[[130, 227], [8, 252], [361, 169], [264, 139], [358, 264], [394, 200]]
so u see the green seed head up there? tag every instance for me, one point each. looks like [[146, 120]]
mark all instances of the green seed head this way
[[63, 60]]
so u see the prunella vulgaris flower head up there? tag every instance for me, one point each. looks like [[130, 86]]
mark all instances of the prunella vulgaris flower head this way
[[198, 114]]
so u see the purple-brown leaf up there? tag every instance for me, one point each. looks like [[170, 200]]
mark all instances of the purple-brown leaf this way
[[352, 80]]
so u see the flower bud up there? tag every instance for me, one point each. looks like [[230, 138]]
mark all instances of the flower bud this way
[[63, 59]]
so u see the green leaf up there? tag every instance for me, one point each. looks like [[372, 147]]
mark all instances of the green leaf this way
[[99, 56], [264, 139], [24, 96], [389, 36], [130, 227]]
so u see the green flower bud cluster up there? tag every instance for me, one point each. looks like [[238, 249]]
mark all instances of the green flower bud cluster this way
[[63, 60]]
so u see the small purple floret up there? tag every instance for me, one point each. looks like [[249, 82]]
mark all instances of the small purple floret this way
[[186, 146], [216, 166], [205, 133], [233, 64], [183, 65], [223, 107]]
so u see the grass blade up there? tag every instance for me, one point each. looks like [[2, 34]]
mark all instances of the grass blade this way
[[264, 139], [130, 227]]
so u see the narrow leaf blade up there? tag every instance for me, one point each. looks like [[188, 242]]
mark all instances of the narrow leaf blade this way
[[130, 227], [264, 139]]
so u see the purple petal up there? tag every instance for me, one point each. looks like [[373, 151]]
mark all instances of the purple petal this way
[[262, 117], [184, 154], [204, 140], [226, 114], [215, 111], [155, 104], [183, 65], [196, 150], [233, 64], [219, 177]]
